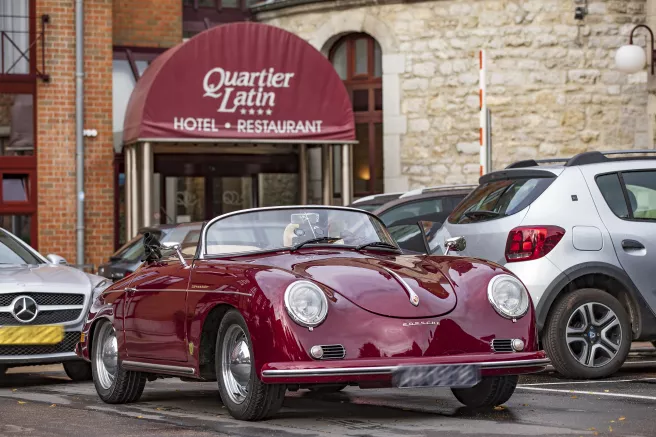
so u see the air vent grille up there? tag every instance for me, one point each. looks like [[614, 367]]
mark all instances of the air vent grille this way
[[333, 352], [502, 345]]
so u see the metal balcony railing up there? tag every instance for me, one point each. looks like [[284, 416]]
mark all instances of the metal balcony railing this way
[[18, 46]]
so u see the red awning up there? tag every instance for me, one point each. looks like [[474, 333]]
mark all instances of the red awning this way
[[240, 81]]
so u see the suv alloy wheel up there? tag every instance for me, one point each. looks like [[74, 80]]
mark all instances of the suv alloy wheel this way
[[587, 335]]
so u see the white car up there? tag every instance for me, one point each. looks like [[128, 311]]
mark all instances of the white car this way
[[43, 305]]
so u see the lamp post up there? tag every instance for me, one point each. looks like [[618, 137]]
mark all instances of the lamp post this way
[[632, 58]]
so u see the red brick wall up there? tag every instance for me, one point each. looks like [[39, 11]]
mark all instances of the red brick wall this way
[[56, 132], [147, 23]]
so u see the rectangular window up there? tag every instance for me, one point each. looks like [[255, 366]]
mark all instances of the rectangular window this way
[[15, 188], [641, 191], [19, 225], [15, 37], [16, 125]]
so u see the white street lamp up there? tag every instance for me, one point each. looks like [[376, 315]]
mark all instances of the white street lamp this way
[[632, 58]]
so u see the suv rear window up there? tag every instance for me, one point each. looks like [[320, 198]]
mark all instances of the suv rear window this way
[[498, 199]]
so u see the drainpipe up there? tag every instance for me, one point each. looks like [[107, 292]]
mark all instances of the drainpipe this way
[[79, 127]]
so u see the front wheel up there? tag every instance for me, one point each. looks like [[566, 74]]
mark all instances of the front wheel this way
[[78, 371], [490, 392], [242, 392], [588, 335], [114, 384]]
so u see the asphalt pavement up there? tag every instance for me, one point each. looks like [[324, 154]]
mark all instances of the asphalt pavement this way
[[42, 401]]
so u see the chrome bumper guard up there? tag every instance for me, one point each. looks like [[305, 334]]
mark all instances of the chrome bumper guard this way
[[388, 370]]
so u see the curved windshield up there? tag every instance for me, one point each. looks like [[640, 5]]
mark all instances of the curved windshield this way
[[12, 252], [280, 228]]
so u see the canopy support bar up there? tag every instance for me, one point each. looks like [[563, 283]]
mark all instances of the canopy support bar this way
[[327, 173], [347, 175], [147, 176], [303, 174]]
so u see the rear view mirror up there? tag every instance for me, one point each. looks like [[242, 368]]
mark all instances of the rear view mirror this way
[[457, 244], [178, 250], [56, 259], [152, 248]]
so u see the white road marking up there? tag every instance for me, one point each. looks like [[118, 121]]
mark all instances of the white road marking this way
[[609, 381], [593, 393]]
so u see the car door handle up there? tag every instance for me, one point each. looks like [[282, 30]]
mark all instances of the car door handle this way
[[632, 245]]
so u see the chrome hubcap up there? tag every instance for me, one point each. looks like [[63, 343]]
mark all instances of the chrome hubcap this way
[[236, 364], [106, 357], [594, 334]]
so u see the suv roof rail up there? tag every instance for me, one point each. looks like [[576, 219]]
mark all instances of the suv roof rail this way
[[586, 158], [535, 162], [597, 157]]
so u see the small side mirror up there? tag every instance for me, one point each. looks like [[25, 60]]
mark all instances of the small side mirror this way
[[152, 248], [56, 259], [457, 244], [178, 250]]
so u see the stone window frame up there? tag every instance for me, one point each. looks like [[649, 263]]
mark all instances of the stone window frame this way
[[393, 67]]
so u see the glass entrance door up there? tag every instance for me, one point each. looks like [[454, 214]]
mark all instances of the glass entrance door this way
[[230, 194]]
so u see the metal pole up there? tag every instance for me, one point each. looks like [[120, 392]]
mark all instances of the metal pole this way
[[134, 187], [327, 173], [488, 142], [147, 183], [79, 126], [128, 192], [346, 175], [483, 115], [303, 173]]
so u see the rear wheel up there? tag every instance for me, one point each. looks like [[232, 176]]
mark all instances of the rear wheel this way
[[78, 370], [242, 392], [490, 392], [587, 335], [114, 384]]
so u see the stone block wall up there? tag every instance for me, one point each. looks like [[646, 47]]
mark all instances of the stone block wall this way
[[552, 87]]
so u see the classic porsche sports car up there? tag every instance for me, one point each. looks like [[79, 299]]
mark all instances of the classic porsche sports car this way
[[309, 297]]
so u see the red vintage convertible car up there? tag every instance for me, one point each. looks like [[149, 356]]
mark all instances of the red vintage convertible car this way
[[288, 298]]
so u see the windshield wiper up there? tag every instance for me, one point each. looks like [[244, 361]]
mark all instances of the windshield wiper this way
[[380, 244], [314, 240]]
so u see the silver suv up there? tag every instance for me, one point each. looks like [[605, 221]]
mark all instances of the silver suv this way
[[581, 235]]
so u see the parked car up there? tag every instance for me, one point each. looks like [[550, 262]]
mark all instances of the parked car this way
[[43, 304], [310, 297], [370, 203], [432, 204], [581, 234], [130, 256]]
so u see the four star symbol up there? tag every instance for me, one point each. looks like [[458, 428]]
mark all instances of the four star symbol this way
[[259, 111]]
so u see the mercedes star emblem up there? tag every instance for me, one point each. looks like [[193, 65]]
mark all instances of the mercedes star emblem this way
[[24, 309]]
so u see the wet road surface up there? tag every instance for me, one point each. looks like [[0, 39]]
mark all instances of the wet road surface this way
[[42, 401]]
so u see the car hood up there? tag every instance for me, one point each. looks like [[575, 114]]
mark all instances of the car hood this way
[[46, 277], [383, 286]]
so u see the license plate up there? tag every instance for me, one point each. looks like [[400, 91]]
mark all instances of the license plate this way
[[31, 335], [447, 375]]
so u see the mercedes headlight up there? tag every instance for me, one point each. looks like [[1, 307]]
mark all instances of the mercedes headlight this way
[[508, 296], [99, 288], [306, 303]]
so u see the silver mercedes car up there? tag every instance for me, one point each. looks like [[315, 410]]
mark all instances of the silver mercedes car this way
[[43, 305]]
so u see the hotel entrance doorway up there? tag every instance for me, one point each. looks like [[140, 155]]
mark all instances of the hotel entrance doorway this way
[[200, 187]]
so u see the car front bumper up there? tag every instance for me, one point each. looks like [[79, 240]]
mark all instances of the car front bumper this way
[[373, 371], [15, 355]]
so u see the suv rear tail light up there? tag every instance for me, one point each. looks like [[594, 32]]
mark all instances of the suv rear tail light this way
[[532, 242]]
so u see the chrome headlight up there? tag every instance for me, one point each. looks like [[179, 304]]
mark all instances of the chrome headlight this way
[[99, 288], [508, 296], [306, 303]]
